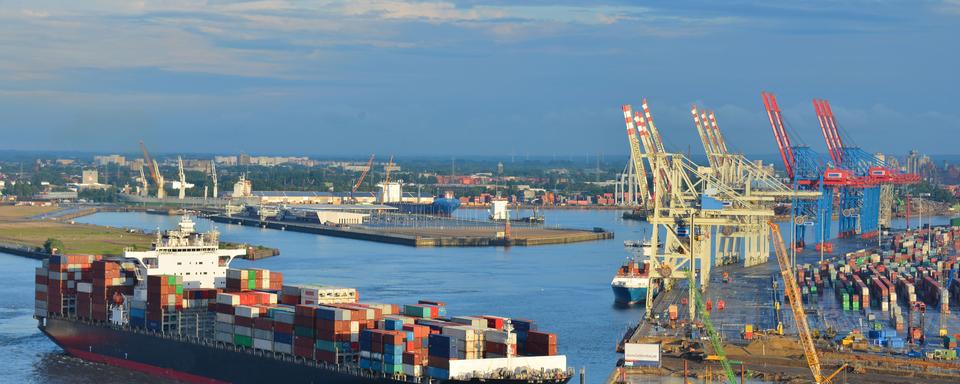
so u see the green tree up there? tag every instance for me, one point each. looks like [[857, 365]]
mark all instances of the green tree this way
[[53, 245]]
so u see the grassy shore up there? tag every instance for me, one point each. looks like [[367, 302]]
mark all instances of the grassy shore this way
[[17, 228]]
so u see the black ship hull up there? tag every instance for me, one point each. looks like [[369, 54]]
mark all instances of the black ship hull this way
[[207, 362]]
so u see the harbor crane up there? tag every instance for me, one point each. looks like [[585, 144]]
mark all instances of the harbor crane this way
[[363, 175], [213, 176], [876, 205], [688, 203], [183, 178], [388, 168], [807, 171], [796, 305], [144, 191], [154, 171]]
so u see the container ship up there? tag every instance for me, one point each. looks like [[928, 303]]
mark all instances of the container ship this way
[[179, 310]]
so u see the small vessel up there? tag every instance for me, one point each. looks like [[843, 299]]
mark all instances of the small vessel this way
[[632, 280], [638, 214]]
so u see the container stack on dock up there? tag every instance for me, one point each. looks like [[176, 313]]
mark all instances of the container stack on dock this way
[[918, 272]]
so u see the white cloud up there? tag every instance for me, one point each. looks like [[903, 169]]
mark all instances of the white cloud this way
[[949, 6]]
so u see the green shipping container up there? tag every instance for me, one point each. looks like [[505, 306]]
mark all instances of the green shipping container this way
[[325, 345], [171, 280], [245, 341], [303, 331], [180, 290], [252, 284], [412, 310], [392, 368], [251, 274]]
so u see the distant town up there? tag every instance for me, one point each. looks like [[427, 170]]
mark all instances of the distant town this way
[[573, 182]]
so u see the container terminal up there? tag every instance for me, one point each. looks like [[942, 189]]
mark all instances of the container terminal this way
[[872, 305]]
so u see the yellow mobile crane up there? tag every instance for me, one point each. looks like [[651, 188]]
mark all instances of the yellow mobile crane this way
[[796, 304]]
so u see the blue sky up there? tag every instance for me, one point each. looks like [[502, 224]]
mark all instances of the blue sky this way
[[471, 77]]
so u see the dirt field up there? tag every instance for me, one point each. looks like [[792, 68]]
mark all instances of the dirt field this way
[[23, 211]]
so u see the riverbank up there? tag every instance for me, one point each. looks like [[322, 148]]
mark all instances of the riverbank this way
[[23, 234]]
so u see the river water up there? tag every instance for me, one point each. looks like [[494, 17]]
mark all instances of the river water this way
[[564, 288]]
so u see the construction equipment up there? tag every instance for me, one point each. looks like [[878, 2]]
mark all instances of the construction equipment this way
[[213, 175], [183, 178], [154, 171], [362, 176], [719, 354], [796, 304], [388, 168], [144, 191]]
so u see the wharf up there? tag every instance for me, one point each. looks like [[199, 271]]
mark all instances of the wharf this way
[[748, 299], [435, 236]]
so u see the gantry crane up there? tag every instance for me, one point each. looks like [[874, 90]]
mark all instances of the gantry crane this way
[[154, 171], [636, 158], [362, 176], [807, 171], [796, 305], [686, 203], [874, 208]]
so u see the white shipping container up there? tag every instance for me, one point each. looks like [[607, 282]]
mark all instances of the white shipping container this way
[[224, 337], [242, 331], [84, 287], [266, 345], [283, 317], [464, 332], [247, 311], [229, 299], [234, 273], [499, 336], [413, 370], [262, 334], [282, 348], [224, 318], [223, 327], [140, 293]]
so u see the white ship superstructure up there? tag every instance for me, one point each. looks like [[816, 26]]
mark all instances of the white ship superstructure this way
[[197, 257]]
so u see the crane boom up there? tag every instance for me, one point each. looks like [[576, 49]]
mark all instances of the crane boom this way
[[363, 174], [635, 155], [213, 175], [154, 172], [389, 167], [796, 303], [707, 147], [779, 132]]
